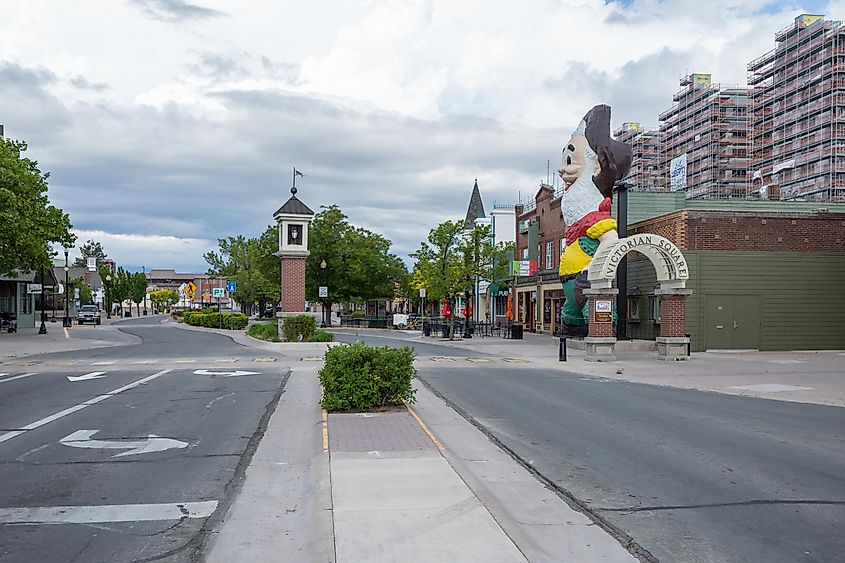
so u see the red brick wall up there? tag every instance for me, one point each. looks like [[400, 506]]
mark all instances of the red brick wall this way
[[673, 315], [602, 330], [293, 284], [818, 232], [551, 227], [749, 231]]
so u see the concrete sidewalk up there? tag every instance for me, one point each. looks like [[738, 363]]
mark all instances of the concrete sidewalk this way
[[27, 342], [383, 487]]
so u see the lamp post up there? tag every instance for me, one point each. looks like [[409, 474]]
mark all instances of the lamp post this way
[[144, 271], [323, 279], [67, 288], [108, 296], [43, 329]]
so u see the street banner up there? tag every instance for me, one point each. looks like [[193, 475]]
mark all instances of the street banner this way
[[524, 268]]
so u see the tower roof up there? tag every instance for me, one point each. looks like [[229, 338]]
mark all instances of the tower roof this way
[[294, 206], [476, 207]]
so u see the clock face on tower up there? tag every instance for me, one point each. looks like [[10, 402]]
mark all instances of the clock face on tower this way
[[295, 235]]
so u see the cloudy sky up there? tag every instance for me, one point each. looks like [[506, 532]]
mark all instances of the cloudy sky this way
[[167, 124]]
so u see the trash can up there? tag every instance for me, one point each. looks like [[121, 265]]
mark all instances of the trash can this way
[[426, 328], [516, 332]]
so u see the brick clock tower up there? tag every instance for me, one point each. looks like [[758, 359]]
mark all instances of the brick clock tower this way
[[293, 218]]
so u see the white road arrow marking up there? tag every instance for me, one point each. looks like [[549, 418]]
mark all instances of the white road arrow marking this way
[[235, 373], [153, 443], [87, 376]]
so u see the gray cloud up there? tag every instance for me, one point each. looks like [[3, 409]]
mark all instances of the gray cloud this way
[[212, 65], [175, 10], [84, 84]]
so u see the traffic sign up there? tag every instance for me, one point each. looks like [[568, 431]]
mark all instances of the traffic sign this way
[[233, 286], [218, 292], [422, 292], [324, 291]]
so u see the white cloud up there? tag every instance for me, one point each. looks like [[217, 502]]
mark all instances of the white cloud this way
[[182, 118], [150, 251]]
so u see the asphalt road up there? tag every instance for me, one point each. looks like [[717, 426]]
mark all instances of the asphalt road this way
[[691, 476], [135, 460]]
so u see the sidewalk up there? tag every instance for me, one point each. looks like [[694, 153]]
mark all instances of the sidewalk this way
[[27, 342]]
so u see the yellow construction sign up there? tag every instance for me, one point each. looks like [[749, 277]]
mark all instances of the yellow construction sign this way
[[190, 288]]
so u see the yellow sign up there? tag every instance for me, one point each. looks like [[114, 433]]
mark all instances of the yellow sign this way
[[190, 288], [701, 80], [808, 19]]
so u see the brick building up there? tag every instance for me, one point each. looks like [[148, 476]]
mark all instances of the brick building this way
[[777, 266]]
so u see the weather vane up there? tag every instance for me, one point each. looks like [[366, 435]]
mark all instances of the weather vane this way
[[295, 174]]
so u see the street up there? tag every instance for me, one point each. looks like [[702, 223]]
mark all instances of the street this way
[[128, 453], [689, 475]]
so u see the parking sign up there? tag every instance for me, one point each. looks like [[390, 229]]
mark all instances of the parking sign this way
[[217, 292], [233, 286]]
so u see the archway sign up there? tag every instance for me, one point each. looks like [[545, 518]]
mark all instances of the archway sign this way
[[672, 274], [668, 261]]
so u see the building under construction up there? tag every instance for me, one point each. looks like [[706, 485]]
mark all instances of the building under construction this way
[[797, 113], [705, 142], [645, 174]]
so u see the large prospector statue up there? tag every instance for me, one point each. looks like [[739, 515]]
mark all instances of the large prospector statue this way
[[592, 163]]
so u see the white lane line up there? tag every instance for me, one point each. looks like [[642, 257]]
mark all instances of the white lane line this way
[[107, 513], [17, 377], [146, 362], [79, 407], [66, 333], [87, 376], [102, 363]]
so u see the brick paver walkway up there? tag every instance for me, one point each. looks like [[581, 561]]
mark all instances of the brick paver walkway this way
[[377, 431]]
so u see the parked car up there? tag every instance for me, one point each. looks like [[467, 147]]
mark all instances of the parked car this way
[[88, 314]]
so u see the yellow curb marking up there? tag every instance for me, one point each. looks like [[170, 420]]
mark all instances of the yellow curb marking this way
[[442, 359], [516, 360], [325, 431], [225, 360], [424, 427], [29, 363], [478, 360], [66, 333], [312, 359], [265, 359]]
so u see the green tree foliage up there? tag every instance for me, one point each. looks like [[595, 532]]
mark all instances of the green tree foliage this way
[[90, 248], [120, 286], [164, 297], [137, 283], [438, 261], [85, 292], [29, 225], [359, 264], [251, 263]]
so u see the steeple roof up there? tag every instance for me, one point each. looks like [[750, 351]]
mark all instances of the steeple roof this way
[[476, 207], [294, 206]]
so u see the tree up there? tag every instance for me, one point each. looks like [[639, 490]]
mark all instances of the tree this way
[[137, 283], [91, 248], [119, 289], [359, 265], [252, 264], [29, 225], [164, 297], [85, 293]]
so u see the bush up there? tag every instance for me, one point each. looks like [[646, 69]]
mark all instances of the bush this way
[[232, 321], [361, 377], [321, 336], [304, 325], [358, 314], [264, 331]]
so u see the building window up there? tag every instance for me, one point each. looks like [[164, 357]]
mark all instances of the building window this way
[[562, 245], [550, 248], [26, 300]]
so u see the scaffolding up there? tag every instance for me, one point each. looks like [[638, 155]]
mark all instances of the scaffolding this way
[[709, 124], [797, 113], [645, 174]]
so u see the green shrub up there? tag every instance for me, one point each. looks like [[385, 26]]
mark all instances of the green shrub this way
[[264, 331], [358, 314], [361, 377], [304, 325], [232, 321], [321, 336]]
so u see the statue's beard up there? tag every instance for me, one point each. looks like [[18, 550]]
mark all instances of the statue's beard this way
[[580, 198]]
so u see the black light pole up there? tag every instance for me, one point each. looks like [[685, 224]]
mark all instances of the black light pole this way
[[323, 279], [144, 271], [622, 270], [43, 329], [67, 288], [108, 295]]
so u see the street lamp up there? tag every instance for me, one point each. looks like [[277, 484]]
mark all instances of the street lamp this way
[[323, 278], [43, 329], [144, 271], [108, 296], [67, 288]]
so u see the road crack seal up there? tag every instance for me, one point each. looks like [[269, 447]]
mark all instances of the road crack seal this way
[[759, 502]]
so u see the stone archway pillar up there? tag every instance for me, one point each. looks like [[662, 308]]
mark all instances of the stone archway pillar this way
[[673, 343], [600, 341]]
